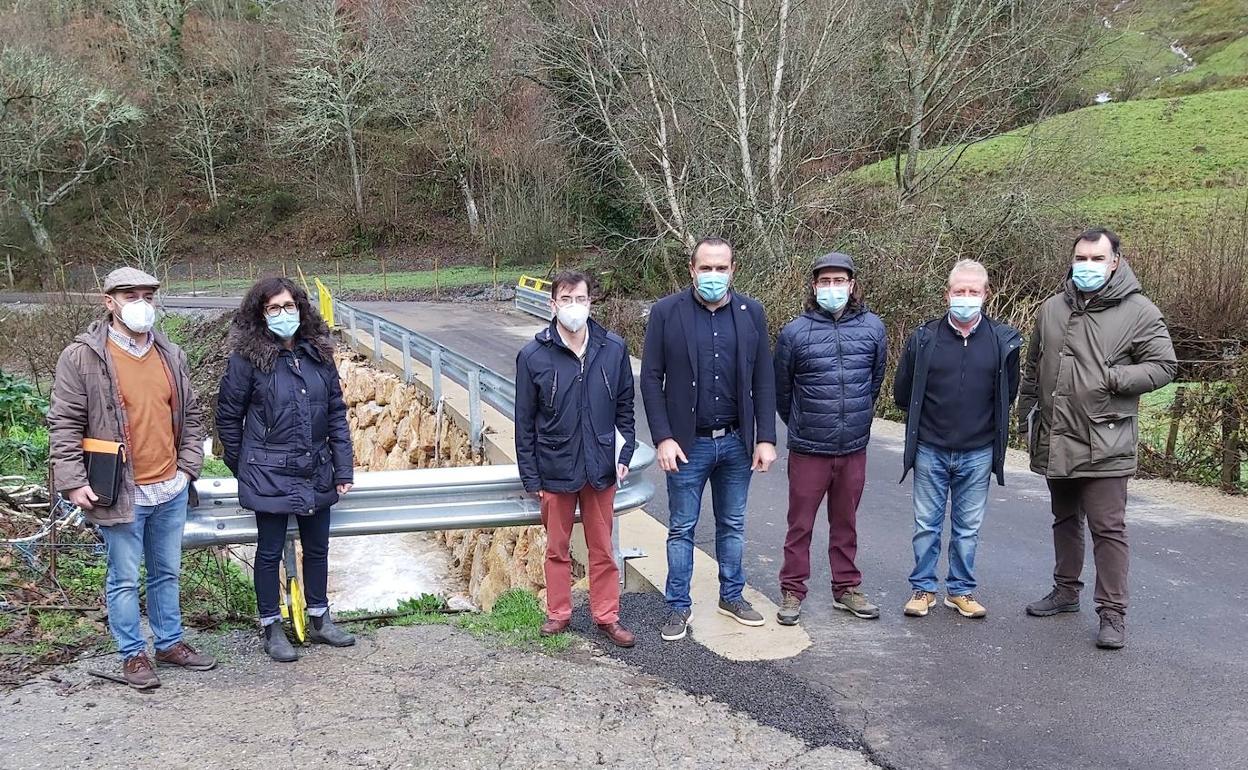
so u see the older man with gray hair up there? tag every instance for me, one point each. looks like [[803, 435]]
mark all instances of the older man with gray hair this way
[[956, 381]]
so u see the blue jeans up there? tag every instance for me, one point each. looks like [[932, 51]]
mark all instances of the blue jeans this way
[[155, 538], [725, 462], [942, 475]]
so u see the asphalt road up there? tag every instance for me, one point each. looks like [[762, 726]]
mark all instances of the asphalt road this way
[[1009, 691]]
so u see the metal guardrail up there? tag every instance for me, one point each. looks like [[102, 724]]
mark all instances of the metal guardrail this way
[[482, 383], [533, 297], [384, 502]]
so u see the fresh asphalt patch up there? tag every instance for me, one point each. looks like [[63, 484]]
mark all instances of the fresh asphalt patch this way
[[761, 689]]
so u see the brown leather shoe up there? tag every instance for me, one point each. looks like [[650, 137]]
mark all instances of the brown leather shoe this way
[[184, 655], [138, 673], [619, 635], [552, 626]]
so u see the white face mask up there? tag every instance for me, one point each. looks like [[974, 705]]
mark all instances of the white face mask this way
[[138, 316], [573, 317]]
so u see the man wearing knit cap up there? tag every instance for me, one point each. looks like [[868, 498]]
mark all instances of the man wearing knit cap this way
[[123, 383]]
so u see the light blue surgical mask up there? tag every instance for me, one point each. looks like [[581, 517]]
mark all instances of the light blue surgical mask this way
[[1089, 276], [712, 286], [284, 325], [832, 298], [964, 309]]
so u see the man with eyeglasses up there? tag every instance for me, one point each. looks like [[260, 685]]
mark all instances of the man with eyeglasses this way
[[709, 391], [574, 391], [956, 381], [1098, 345], [123, 382], [829, 370]]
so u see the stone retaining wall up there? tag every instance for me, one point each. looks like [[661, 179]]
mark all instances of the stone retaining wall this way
[[395, 427]]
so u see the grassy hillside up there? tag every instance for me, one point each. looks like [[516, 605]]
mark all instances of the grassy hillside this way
[[1140, 62], [1139, 165]]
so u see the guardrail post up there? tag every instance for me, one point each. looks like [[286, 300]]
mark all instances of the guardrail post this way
[[407, 357], [351, 319], [474, 408], [376, 339], [435, 363]]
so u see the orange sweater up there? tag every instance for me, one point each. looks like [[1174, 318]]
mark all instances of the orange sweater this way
[[147, 394]]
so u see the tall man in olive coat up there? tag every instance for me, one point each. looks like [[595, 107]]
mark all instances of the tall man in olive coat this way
[[1098, 345]]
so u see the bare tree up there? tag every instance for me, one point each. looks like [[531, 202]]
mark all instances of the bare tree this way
[[154, 29], [204, 121], [144, 231], [443, 79], [718, 111], [330, 89], [57, 130], [968, 69]]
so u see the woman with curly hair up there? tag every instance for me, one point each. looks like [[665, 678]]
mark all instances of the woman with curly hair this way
[[283, 423]]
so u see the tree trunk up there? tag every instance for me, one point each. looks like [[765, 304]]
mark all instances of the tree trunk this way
[[914, 143], [470, 203], [38, 233], [356, 181]]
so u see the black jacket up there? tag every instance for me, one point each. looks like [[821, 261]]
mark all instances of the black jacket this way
[[910, 384], [284, 428], [669, 368], [828, 375], [567, 412]]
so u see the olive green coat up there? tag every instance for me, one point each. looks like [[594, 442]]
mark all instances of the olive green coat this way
[[1090, 359]]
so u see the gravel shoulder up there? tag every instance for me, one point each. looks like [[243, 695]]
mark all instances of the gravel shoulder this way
[[427, 696]]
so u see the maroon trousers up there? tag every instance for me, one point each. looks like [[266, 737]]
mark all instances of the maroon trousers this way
[[811, 478]]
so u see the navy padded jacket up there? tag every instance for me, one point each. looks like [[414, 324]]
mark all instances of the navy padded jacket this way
[[828, 375]]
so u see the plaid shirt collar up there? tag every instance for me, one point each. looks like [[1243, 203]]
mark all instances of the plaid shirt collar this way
[[124, 341]]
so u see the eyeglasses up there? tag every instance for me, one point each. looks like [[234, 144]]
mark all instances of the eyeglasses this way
[[837, 282], [568, 301], [273, 311]]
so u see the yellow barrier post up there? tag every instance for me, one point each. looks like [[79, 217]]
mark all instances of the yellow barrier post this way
[[326, 302]]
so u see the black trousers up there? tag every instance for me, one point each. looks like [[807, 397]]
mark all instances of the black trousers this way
[[314, 535]]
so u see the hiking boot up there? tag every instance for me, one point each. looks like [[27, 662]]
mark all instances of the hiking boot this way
[[1057, 601], [323, 630], [741, 611], [618, 634], [790, 609], [139, 674], [1113, 634], [855, 601], [277, 645], [675, 627], [966, 606], [920, 603], [553, 626], [184, 655]]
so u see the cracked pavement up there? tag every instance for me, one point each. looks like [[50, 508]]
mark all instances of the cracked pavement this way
[[424, 696]]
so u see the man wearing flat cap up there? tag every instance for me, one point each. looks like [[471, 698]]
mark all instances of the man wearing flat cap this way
[[829, 370], [123, 383]]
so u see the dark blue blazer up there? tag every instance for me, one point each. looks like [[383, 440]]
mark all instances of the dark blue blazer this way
[[669, 369]]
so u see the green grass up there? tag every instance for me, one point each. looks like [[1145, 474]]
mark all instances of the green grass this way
[[417, 280], [214, 468], [515, 620], [1225, 68], [1149, 164]]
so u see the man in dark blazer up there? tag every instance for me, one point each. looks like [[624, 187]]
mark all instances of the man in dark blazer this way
[[708, 384]]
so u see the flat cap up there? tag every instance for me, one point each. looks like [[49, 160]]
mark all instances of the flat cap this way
[[128, 278], [834, 259]]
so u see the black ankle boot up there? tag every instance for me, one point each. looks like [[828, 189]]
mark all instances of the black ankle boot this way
[[323, 630], [277, 645]]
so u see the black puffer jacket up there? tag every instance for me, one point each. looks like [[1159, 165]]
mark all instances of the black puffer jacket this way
[[283, 423], [828, 376]]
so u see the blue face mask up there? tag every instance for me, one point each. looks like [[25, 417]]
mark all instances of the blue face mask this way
[[832, 298], [284, 325], [1089, 276], [712, 286], [965, 309]]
